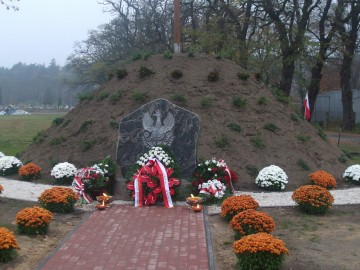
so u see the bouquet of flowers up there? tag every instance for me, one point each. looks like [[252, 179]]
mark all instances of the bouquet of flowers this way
[[30, 171], [8, 245], [153, 180], [214, 169], [213, 191], [9, 165], [272, 178], [89, 182], [63, 173], [352, 174]]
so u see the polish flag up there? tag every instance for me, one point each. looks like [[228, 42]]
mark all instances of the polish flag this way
[[307, 115]]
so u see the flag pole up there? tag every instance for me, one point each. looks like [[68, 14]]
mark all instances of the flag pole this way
[[177, 36]]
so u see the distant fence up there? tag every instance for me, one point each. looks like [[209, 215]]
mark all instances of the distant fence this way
[[328, 107]]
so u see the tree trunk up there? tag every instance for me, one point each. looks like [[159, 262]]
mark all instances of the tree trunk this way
[[347, 99], [287, 74]]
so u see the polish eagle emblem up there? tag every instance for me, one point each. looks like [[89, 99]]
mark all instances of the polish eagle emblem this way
[[158, 132]]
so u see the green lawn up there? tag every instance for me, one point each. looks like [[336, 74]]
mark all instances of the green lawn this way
[[17, 131]]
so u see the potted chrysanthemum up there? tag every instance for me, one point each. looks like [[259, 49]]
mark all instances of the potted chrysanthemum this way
[[323, 179], [235, 204], [30, 171], [9, 165], [63, 173], [58, 199], [251, 221], [313, 199], [272, 178], [352, 174], [8, 245], [260, 251], [33, 220]]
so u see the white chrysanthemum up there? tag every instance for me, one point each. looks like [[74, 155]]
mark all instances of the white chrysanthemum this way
[[2, 154], [9, 162], [352, 173], [97, 168], [155, 152], [64, 169], [272, 177]]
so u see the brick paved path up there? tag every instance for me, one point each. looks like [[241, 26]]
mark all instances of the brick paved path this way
[[125, 237]]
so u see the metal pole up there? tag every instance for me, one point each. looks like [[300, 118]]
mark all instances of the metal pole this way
[[177, 36]]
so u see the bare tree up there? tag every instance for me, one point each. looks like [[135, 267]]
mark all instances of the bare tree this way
[[8, 4], [290, 18], [347, 24]]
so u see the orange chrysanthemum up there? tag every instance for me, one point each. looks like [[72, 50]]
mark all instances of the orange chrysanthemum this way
[[251, 221], [313, 199], [30, 171], [1, 189], [235, 204], [58, 199], [33, 220], [323, 179]]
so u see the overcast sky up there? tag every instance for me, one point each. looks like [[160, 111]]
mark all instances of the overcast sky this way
[[45, 29]]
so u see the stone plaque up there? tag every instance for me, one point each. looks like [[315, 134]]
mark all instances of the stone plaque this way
[[159, 122]]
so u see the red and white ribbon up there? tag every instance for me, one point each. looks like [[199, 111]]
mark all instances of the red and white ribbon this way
[[80, 188], [230, 180]]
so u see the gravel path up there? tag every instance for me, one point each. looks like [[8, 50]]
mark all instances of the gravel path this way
[[28, 191]]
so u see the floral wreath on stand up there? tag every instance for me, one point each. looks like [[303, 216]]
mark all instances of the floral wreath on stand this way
[[152, 181], [210, 174]]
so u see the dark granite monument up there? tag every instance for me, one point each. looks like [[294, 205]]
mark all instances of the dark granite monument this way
[[159, 122]]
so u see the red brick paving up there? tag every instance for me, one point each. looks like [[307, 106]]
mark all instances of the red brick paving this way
[[125, 237]]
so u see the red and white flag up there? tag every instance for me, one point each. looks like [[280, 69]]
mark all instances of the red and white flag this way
[[307, 114]]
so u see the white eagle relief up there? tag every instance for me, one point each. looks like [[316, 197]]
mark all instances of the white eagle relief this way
[[158, 132]]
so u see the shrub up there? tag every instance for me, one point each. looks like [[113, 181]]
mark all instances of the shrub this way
[[121, 73], [167, 55], [207, 102], [352, 174], [176, 74], [87, 144], [39, 137], [281, 96], [57, 141], [295, 117], [235, 204], [115, 97], [303, 164], [222, 142], [243, 76], [84, 125], [114, 124], [58, 121], [303, 137], [33, 220], [9, 165], [30, 171], [271, 127], [272, 178], [102, 96], [239, 102], [320, 131], [136, 56], [235, 127], [313, 199], [140, 96], [213, 76], [323, 179], [63, 173], [259, 251], [261, 101], [8, 245], [145, 72], [257, 142], [179, 98], [85, 96], [58, 199], [251, 221]]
